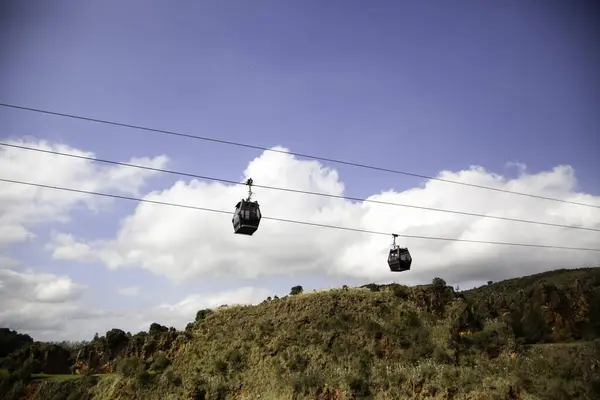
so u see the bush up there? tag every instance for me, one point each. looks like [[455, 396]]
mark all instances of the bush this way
[[130, 366], [171, 377], [202, 314], [304, 384], [296, 290], [157, 329], [438, 282], [116, 338], [23, 374], [535, 328], [400, 291], [142, 376], [12, 340], [160, 363], [373, 287]]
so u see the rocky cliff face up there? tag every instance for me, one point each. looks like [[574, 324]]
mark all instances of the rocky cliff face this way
[[42, 358], [101, 355], [544, 311], [11, 341]]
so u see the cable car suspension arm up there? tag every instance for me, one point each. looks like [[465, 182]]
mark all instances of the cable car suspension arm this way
[[394, 236], [249, 182]]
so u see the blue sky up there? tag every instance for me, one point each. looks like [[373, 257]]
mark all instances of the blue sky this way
[[425, 88]]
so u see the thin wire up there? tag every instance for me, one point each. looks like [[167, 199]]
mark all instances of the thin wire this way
[[296, 190], [294, 221], [353, 164]]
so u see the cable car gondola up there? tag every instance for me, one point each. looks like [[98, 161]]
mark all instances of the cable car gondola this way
[[399, 258], [246, 216]]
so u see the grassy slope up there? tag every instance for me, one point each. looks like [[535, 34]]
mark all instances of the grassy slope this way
[[559, 277], [54, 377], [344, 343]]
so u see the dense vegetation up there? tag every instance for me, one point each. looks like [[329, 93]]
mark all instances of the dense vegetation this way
[[536, 337]]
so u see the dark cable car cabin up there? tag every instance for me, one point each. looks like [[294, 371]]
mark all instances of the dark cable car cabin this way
[[247, 215], [399, 258]]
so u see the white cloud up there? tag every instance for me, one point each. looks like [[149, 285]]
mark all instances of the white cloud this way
[[130, 291], [50, 307], [187, 244], [38, 301], [519, 166], [180, 313], [23, 207], [184, 311], [57, 290], [44, 303]]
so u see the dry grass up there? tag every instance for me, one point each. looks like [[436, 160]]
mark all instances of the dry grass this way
[[389, 342]]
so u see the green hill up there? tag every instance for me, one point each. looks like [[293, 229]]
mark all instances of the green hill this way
[[535, 337]]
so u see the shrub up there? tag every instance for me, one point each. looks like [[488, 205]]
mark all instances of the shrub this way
[[373, 287], [296, 290], [438, 282], [400, 291], [129, 366], [160, 363], [157, 329], [116, 338], [202, 314]]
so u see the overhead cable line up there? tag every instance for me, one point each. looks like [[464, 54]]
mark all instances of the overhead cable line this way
[[294, 221], [231, 143], [295, 190]]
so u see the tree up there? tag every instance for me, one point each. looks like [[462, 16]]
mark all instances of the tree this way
[[129, 366], [202, 314], [115, 338], [296, 290], [157, 329], [535, 329], [438, 282], [12, 340]]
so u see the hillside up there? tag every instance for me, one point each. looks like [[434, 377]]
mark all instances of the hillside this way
[[535, 337]]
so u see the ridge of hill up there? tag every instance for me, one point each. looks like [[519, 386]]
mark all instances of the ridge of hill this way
[[535, 337]]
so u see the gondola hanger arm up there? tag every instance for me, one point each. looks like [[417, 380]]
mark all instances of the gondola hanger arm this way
[[249, 182]]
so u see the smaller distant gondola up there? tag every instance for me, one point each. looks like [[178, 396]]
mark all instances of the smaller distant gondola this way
[[399, 258], [247, 215]]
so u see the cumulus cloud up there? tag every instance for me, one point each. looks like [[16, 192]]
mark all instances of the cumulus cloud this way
[[50, 307], [42, 303], [184, 311], [187, 245], [23, 207], [184, 244], [34, 301], [37, 302]]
